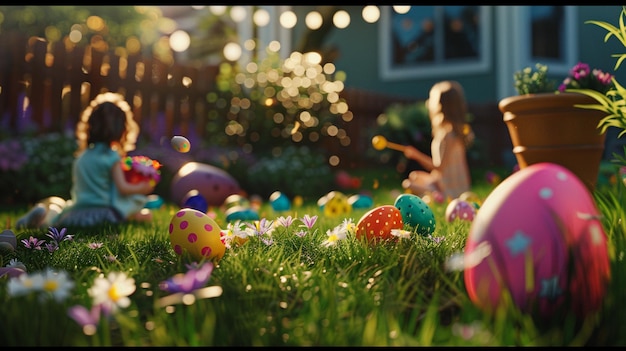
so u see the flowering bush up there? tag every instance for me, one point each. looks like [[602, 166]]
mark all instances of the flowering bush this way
[[33, 168], [296, 171]]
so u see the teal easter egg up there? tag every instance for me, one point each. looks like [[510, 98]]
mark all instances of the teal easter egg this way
[[279, 201], [416, 213], [241, 213], [360, 201]]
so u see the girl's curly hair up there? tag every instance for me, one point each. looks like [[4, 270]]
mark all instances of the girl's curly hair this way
[[107, 119]]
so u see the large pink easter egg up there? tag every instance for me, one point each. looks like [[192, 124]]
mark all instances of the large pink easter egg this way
[[213, 183], [195, 232], [377, 223], [538, 238]]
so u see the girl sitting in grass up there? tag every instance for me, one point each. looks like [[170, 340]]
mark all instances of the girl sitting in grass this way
[[100, 193]]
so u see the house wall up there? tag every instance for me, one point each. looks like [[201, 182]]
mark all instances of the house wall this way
[[358, 46]]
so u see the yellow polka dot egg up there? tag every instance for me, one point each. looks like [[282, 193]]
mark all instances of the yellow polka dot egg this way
[[196, 233]]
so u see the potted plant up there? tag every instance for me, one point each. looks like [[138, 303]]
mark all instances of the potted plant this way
[[546, 123]]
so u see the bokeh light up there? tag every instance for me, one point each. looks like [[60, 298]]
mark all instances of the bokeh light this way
[[313, 20], [261, 17], [217, 10], [288, 19], [232, 51], [371, 13], [238, 13], [401, 9], [179, 41], [341, 19]]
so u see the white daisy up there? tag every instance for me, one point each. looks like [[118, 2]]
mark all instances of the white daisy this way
[[57, 284], [112, 291]]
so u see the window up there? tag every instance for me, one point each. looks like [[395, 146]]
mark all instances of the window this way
[[547, 36], [432, 40]]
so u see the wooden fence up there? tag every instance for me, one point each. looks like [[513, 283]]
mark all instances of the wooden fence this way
[[59, 81]]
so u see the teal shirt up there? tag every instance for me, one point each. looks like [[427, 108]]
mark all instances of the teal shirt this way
[[93, 184]]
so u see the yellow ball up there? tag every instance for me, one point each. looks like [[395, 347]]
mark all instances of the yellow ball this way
[[197, 233]]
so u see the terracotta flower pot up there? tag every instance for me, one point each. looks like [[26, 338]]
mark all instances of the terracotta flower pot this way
[[548, 128]]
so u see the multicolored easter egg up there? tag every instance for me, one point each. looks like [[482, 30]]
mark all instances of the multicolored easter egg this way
[[622, 174], [180, 144], [460, 209], [336, 204], [416, 213], [538, 237], [472, 198], [279, 201], [377, 223], [194, 232]]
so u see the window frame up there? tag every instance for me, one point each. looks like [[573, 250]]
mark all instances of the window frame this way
[[431, 70]]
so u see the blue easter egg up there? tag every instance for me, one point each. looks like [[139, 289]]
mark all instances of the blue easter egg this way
[[194, 200]]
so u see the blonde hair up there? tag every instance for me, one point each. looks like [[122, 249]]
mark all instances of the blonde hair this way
[[108, 118], [448, 99]]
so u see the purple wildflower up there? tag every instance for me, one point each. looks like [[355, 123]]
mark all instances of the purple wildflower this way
[[52, 246], [94, 246], [57, 235], [85, 317], [188, 282], [309, 221], [261, 227], [285, 221], [33, 243], [267, 241]]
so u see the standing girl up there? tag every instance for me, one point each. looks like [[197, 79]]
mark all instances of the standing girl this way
[[100, 193]]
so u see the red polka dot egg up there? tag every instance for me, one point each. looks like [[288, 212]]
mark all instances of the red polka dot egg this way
[[196, 233], [377, 223]]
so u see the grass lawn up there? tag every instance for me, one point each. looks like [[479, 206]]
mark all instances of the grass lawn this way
[[294, 291]]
